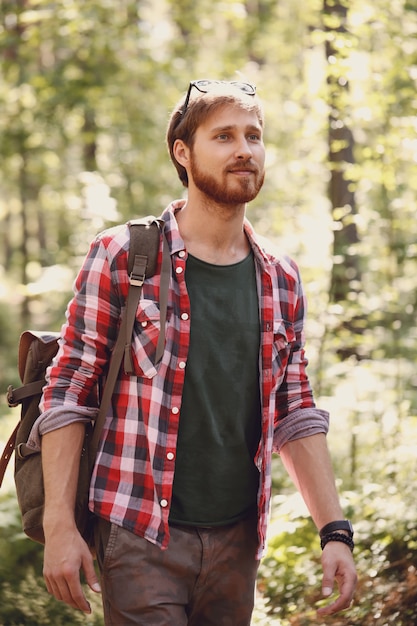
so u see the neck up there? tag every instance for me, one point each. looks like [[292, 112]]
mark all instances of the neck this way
[[212, 232]]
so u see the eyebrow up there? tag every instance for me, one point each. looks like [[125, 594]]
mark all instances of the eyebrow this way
[[251, 127]]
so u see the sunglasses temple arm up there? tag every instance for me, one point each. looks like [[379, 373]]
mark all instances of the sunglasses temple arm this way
[[187, 98]]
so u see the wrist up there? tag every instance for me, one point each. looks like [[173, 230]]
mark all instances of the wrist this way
[[55, 520], [338, 537]]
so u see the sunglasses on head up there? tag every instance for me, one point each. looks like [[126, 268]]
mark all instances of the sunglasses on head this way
[[205, 85]]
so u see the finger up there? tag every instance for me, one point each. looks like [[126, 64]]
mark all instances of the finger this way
[[75, 596], [340, 604], [68, 589]]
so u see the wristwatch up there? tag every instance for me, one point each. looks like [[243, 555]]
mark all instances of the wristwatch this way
[[333, 527]]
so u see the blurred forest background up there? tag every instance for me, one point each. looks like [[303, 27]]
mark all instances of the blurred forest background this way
[[86, 87]]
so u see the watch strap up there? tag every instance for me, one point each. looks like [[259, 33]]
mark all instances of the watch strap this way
[[335, 527]]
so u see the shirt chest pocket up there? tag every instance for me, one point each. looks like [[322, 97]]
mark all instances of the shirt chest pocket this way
[[145, 338], [284, 337]]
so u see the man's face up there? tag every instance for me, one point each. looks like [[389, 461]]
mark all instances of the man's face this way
[[227, 157]]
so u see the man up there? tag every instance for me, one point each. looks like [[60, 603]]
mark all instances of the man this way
[[182, 481]]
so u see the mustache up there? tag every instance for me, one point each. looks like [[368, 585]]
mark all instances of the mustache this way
[[248, 165]]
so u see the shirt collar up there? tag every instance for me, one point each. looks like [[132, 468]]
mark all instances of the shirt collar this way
[[177, 244]]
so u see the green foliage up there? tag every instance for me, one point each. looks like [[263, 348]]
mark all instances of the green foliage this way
[[8, 352]]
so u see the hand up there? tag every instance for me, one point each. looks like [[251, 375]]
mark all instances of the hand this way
[[337, 563], [66, 554]]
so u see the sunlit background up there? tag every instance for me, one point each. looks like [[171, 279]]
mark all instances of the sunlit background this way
[[86, 88]]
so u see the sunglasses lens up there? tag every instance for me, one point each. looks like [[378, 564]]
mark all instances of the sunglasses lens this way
[[246, 88], [204, 85]]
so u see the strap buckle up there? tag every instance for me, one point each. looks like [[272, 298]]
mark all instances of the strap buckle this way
[[138, 273], [137, 280], [11, 401]]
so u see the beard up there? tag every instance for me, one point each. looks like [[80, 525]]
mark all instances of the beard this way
[[221, 190]]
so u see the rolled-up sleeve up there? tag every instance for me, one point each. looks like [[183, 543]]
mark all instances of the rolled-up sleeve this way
[[55, 418], [301, 423]]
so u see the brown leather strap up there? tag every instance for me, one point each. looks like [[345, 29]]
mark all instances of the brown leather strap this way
[[15, 396], [7, 453]]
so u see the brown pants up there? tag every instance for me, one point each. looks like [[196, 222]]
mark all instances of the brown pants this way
[[206, 577]]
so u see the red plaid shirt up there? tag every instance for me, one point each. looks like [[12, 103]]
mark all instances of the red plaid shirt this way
[[133, 476]]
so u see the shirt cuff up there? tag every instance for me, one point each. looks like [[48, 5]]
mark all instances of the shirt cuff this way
[[301, 423], [55, 418]]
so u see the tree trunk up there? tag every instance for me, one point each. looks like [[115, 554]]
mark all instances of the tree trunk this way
[[346, 272]]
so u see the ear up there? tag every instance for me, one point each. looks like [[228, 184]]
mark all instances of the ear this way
[[181, 152]]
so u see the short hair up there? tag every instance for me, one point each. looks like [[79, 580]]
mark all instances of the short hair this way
[[200, 106]]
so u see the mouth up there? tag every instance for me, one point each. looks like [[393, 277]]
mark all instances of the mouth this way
[[242, 172]]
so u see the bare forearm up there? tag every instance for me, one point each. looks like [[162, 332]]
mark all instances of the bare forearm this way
[[308, 463], [66, 553], [61, 450]]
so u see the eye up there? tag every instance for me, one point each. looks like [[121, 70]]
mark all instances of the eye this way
[[223, 136], [254, 137]]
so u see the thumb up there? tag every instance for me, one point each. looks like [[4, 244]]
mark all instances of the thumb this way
[[327, 585], [90, 574], [326, 589], [95, 586], [329, 573], [328, 582]]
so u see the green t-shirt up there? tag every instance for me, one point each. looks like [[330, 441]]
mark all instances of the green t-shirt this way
[[216, 480]]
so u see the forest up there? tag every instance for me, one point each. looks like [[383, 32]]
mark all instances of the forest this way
[[86, 88]]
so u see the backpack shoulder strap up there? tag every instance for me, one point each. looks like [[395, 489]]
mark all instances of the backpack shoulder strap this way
[[145, 237], [142, 263]]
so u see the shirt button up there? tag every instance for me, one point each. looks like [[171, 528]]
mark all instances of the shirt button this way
[[164, 503], [181, 365], [144, 324], [184, 316], [170, 456], [175, 410], [179, 270], [181, 253]]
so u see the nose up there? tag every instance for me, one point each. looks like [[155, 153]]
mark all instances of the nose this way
[[243, 149]]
